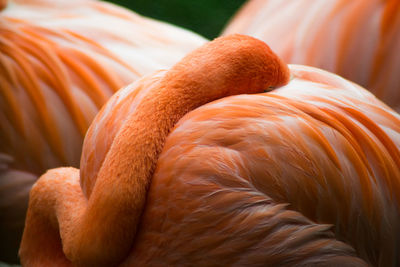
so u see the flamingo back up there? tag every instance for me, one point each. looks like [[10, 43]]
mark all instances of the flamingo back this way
[[358, 40]]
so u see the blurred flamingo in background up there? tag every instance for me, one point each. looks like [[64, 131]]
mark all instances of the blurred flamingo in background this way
[[59, 63], [358, 40], [265, 174]]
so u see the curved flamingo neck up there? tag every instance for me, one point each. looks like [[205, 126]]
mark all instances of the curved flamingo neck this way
[[230, 65], [103, 231], [227, 66]]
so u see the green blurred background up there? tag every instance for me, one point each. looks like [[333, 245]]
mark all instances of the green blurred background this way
[[205, 17]]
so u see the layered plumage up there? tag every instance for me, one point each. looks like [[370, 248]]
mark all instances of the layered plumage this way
[[307, 173], [358, 40], [59, 63]]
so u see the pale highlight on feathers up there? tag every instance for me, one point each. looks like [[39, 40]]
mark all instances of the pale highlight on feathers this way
[[358, 40]]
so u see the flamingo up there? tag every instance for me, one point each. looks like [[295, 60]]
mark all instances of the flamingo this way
[[230, 157], [60, 61], [358, 40]]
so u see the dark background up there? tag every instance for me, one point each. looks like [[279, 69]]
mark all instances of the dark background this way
[[205, 17]]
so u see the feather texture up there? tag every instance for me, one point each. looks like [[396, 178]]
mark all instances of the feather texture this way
[[304, 174]]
